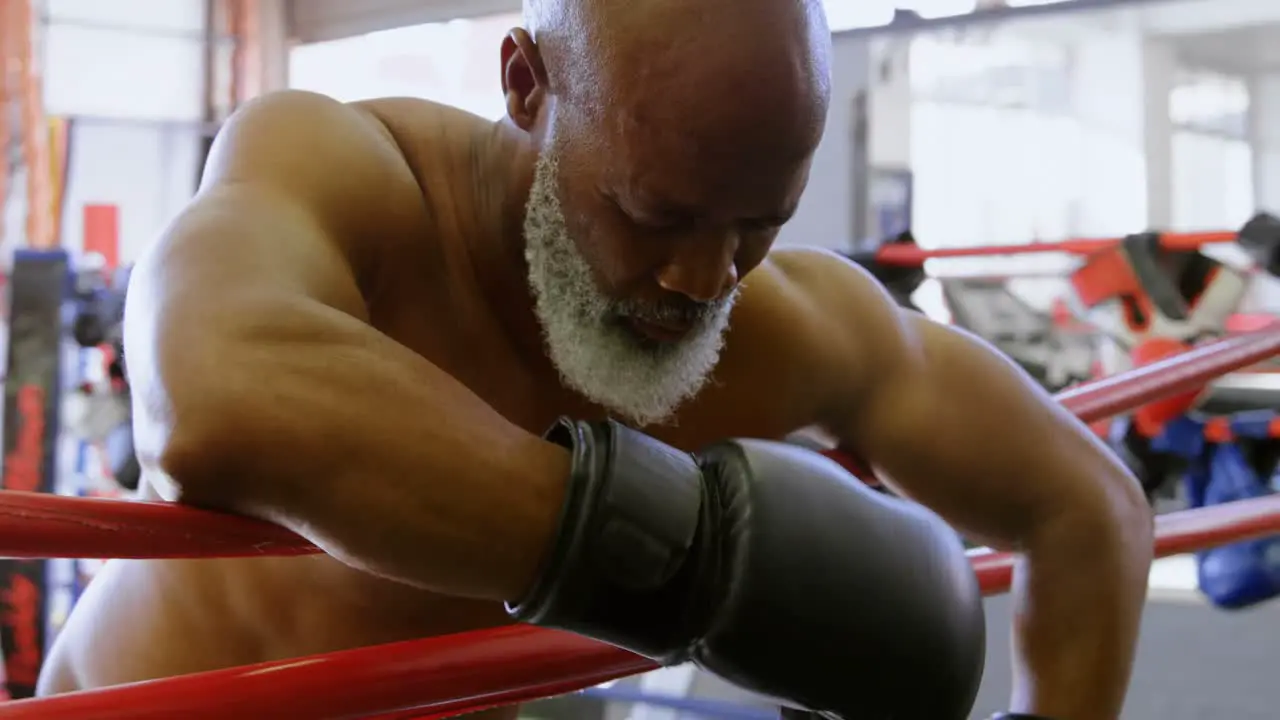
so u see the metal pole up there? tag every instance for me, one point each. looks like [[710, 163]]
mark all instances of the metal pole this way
[[35, 134], [209, 95]]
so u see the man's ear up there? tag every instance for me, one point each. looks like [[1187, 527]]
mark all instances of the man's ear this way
[[524, 78]]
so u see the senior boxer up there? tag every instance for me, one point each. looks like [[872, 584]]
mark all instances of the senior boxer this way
[[366, 321]]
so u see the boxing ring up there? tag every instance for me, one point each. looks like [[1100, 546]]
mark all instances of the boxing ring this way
[[443, 676]]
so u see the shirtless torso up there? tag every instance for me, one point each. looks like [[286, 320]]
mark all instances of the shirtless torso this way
[[363, 323], [150, 619]]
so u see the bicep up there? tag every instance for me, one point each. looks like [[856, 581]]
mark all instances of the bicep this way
[[235, 274], [280, 245], [299, 195], [239, 244]]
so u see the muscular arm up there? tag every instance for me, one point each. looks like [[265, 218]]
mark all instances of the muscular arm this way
[[951, 424], [261, 388]]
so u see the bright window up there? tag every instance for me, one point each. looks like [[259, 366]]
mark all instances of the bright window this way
[[453, 62]]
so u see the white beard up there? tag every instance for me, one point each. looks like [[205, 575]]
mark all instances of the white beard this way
[[596, 353]]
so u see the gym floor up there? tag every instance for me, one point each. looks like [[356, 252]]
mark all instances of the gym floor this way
[[1194, 662]]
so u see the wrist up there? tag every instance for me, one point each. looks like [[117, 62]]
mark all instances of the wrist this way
[[623, 560], [546, 467]]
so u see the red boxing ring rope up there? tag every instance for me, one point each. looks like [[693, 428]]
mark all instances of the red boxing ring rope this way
[[446, 675], [38, 525], [474, 671], [912, 255]]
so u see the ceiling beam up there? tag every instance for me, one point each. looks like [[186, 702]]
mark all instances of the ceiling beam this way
[[320, 20], [1199, 17]]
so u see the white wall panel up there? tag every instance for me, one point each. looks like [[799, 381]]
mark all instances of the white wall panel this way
[[826, 214], [128, 73], [147, 170], [455, 63]]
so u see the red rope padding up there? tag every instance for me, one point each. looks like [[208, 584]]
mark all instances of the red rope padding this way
[[1107, 397], [440, 676], [40, 525], [468, 672], [461, 673], [1190, 371], [36, 525], [912, 255]]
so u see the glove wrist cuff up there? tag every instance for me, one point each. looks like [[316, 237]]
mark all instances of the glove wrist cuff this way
[[570, 526], [619, 567]]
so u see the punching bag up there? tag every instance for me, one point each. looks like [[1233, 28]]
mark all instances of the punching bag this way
[[1243, 574]]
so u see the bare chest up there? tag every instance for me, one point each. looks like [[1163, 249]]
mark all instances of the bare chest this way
[[760, 397], [755, 392]]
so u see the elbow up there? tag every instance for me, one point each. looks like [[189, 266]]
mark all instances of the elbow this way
[[188, 473], [198, 461], [1126, 510], [236, 456], [1106, 516]]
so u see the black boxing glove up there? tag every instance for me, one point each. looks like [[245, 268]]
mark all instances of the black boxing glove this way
[[838, 598], [629, 565], [768, 565]]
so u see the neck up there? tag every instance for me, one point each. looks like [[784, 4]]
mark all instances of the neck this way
[[505, 174]]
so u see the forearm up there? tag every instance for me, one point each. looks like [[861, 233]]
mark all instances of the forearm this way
[[1078, 597], [318, 422]]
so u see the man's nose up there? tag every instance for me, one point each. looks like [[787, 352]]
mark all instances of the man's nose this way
[[701, 267]]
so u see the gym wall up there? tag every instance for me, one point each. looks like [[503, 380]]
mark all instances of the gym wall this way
[[456, 62], [828, 212], [1088, 150], [126, 73]]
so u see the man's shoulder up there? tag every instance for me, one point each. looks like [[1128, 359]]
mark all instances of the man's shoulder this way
[[456, 157], [416, 120], [826, 282], [371, 177], [416, 108], [829, 312], [388, 130], [365, 164], [423, 114]]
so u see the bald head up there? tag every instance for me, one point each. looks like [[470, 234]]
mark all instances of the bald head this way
[[674, 138], [598, 52]]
